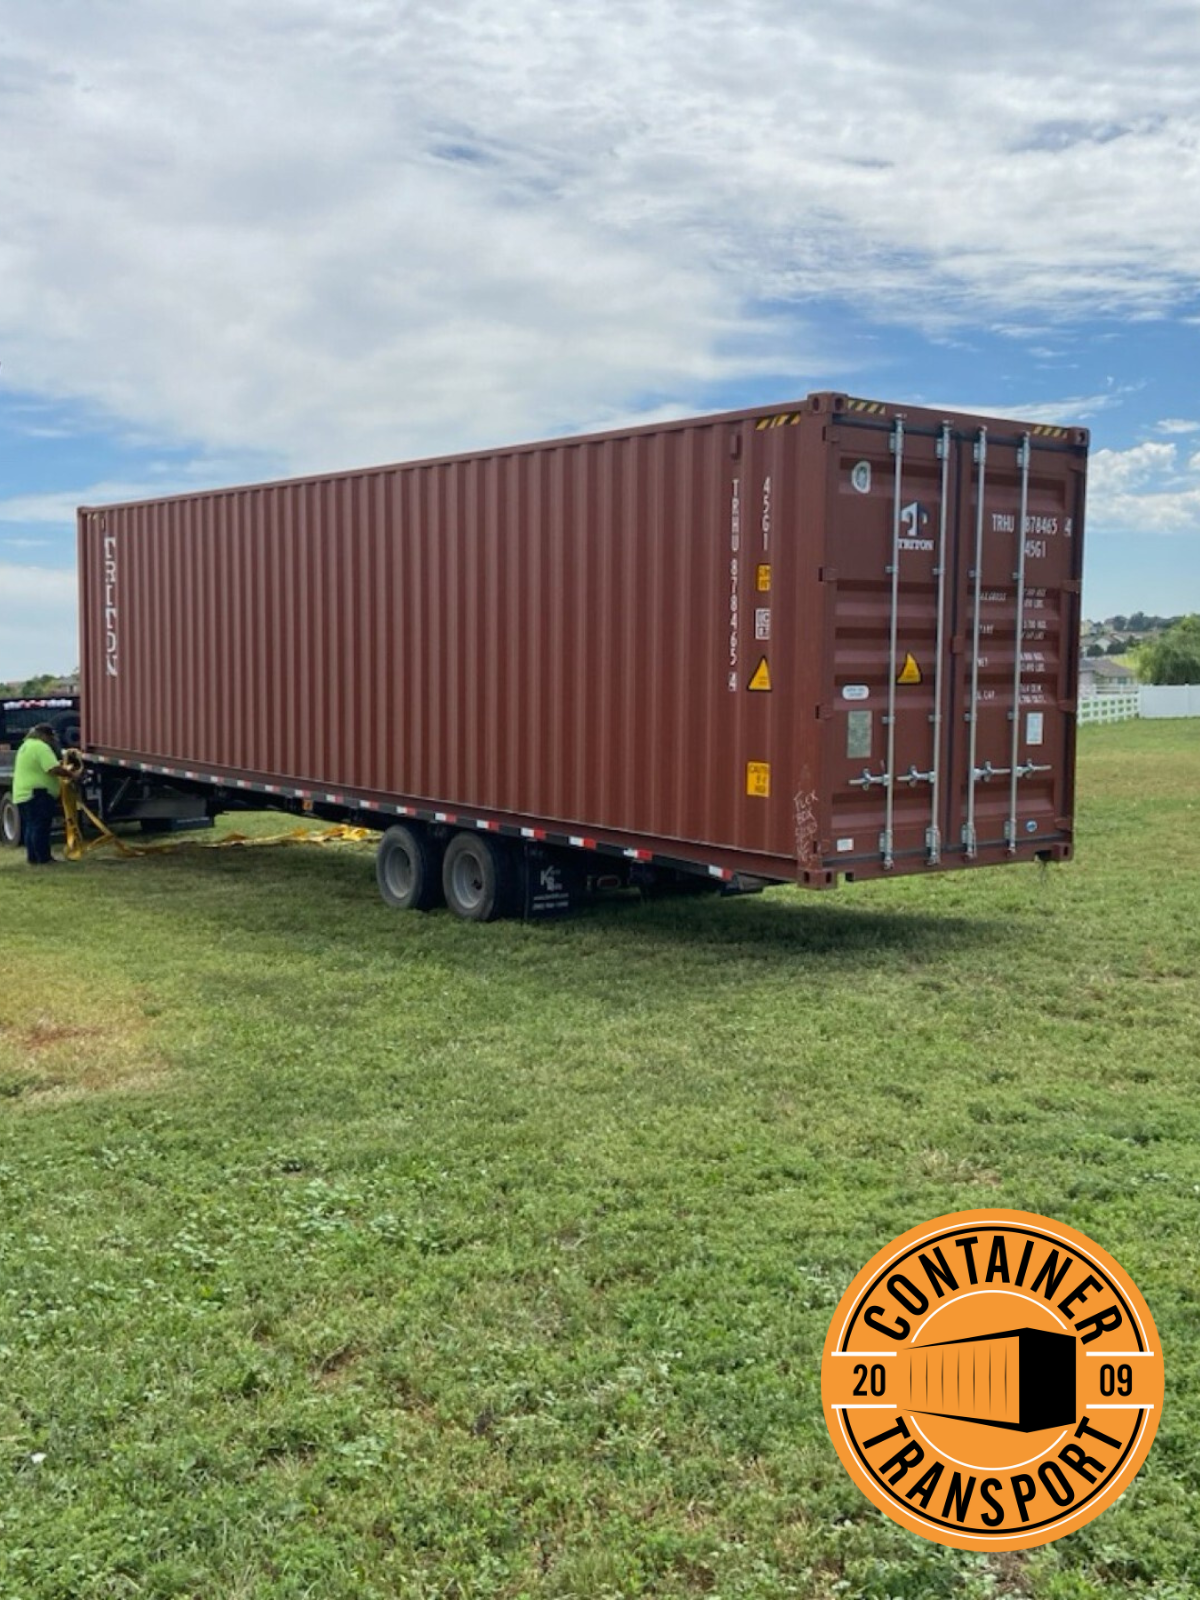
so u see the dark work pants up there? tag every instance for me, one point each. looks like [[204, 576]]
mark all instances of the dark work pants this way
[[37, 818]]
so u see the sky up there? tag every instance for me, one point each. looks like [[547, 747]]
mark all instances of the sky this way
[[245, 239]]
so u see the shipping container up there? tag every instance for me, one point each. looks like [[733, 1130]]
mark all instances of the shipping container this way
[[835, 638]]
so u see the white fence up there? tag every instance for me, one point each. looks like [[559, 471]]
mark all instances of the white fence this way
[[1110, 707], [1170, 700], [1156, 700]]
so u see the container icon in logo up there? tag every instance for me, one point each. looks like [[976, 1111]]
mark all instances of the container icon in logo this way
[[1022, 1378]]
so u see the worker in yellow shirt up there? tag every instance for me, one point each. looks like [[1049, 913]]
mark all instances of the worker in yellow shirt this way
[[35, 790]]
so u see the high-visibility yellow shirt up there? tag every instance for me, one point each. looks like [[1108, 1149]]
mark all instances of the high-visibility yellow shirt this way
[[31, 770]]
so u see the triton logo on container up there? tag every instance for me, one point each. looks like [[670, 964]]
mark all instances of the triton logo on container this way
[[109, 592], [992, 1380]]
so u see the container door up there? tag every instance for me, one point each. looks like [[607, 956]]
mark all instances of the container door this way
[[1015, 644], [890, 526], [950, 733]]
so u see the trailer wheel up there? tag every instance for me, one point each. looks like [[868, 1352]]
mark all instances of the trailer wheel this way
[[66, 730], [480, 877], [10, 821], [408, 869]]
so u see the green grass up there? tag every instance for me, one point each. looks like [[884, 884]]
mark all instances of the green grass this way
[[353, 1254]]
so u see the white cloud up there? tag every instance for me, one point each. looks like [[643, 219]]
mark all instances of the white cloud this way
[[1114, 471], [345, 232], [1178, 425], [1144, 490], [59, 508], [1062, 413], [37, 621]]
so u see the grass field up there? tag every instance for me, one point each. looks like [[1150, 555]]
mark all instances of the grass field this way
[[353, 1254]]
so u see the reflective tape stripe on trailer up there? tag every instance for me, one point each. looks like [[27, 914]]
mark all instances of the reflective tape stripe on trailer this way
[[417, 813]]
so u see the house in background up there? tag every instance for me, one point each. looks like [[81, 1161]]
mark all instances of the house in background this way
[[1102, 675]]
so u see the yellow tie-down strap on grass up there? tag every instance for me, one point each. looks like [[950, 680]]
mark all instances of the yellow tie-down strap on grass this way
[[78, 845]]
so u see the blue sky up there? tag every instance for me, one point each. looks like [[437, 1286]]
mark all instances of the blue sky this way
[[245, 240]]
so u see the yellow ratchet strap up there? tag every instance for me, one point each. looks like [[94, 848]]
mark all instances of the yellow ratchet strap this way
[[78, 844]]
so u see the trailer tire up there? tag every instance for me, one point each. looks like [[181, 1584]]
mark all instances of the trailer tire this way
[[408, 869], [480, 877], [10, 821], [67, 731]]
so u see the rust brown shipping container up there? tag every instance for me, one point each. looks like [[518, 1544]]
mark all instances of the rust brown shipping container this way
[[836, 637]]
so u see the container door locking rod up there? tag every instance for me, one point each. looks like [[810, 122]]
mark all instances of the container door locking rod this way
[[1024, 456], [885, 842], [933, 837], [969, 833]]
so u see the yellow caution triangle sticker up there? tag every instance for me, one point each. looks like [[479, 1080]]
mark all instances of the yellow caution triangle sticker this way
[[910, 672], [761, 677]]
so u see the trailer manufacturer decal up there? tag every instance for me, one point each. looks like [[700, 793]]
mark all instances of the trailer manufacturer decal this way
[[992, 1380]]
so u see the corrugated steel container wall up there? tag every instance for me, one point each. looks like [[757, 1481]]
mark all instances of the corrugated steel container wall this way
[[645, 637]]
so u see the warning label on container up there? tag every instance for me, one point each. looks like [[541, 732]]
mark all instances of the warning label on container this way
[[760, 678], [910, 672], [758, 779], [763, 578]]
